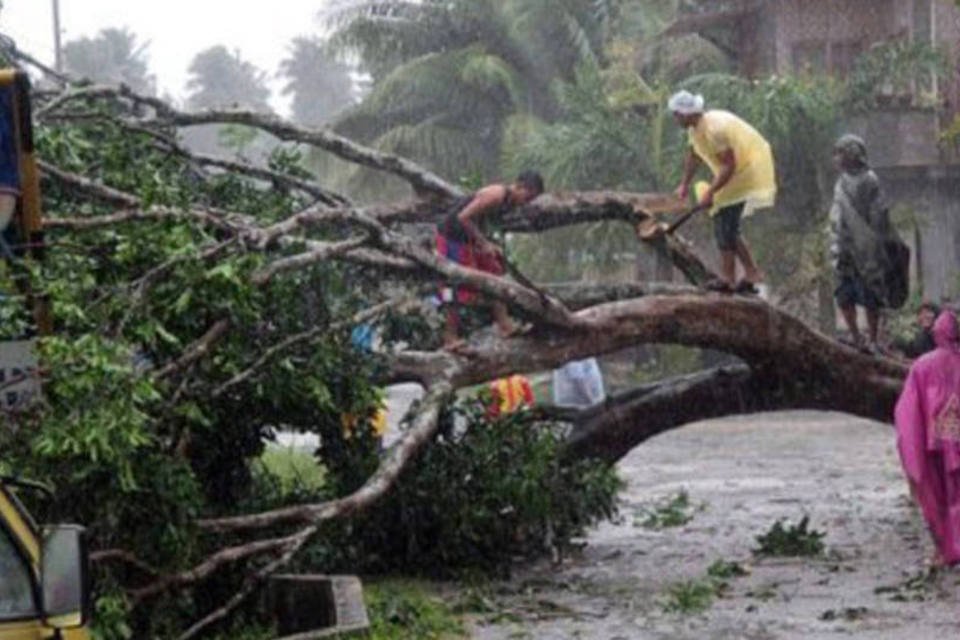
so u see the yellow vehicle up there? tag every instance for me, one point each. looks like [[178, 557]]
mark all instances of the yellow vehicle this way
[[21, 230], [44, 576]]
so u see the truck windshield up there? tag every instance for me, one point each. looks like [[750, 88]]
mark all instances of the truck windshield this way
[[16, 590]]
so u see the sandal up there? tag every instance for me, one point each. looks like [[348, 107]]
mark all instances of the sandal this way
[[746, 287], [858, 344], [719, 286]]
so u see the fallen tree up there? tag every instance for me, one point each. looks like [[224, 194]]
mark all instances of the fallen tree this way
[[218, 291]]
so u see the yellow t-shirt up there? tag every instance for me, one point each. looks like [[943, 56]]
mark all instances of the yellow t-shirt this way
[[753, 180]]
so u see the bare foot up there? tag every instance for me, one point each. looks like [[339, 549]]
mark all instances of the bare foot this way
[[936, 562], [754, 276], [515, 329], [459, 347]]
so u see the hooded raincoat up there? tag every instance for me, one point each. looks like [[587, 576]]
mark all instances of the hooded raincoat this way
[[928, 436], [860, 223]]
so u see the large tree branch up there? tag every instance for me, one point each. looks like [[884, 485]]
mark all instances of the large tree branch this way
[[784, 355], [307, 336], [168, 143], [550, 211], [211, 564], [251, 584], [319, 252], [774, 344], [761, 335], [422, 180], [421, 431], [197, 350], [612, 429], [88, 188]]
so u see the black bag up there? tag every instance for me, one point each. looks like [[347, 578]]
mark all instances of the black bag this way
[[897, 277]]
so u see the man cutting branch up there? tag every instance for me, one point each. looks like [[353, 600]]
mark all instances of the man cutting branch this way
[[743, 181]]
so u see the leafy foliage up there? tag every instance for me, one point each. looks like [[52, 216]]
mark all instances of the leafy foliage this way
[[726, 569], [791, 540], [673, 512], [689, 597], [138, 457], [475, 500], [404, 609], [696, 596], [894, 69], [448, 75]]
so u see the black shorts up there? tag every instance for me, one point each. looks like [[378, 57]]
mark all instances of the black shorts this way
[[853, 292], [726, 226]]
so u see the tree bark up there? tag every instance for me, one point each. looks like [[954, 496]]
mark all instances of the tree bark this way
[[612, 429]]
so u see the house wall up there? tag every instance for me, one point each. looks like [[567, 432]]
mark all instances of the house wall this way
[[785, 27], [931, 197], [920, 180], [856, 23], [946, 33], [900, 137]]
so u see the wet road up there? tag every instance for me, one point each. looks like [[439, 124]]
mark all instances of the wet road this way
[[747, 472]]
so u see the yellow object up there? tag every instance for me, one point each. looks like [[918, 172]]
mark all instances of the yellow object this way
[[754, 179], [379, 423], [20, 549], [510, 394], [29, 215]]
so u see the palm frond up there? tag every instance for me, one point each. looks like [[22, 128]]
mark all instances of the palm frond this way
[[489, 72], [450, 151], [434, 86]]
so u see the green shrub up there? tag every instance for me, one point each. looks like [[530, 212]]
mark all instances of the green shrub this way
[[475, 500], [726, 569], [791, 540], [672, 512], [403, 609], [691, 596]]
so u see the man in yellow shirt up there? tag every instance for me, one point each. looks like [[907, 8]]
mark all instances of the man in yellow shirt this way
[[743, 181]]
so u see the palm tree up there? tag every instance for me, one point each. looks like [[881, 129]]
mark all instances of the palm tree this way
[[112, 56], [448, 74], [221, 78], [321, 86]]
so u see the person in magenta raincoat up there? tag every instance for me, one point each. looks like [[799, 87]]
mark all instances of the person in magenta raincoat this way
[[927, 416]]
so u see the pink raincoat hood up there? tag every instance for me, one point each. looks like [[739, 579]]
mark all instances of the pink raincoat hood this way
[[945, 332]]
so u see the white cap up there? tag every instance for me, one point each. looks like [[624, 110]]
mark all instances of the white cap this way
[[685, 103]]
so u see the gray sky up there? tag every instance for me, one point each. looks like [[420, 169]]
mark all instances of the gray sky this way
[[176, 29]]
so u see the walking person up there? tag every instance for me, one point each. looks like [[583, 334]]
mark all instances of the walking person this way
[[463, 236], [743, 182], [859, 228], [927, 416]]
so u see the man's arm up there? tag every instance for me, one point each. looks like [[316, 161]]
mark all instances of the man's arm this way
[[728, 165], [486, 199], [690, 165]]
